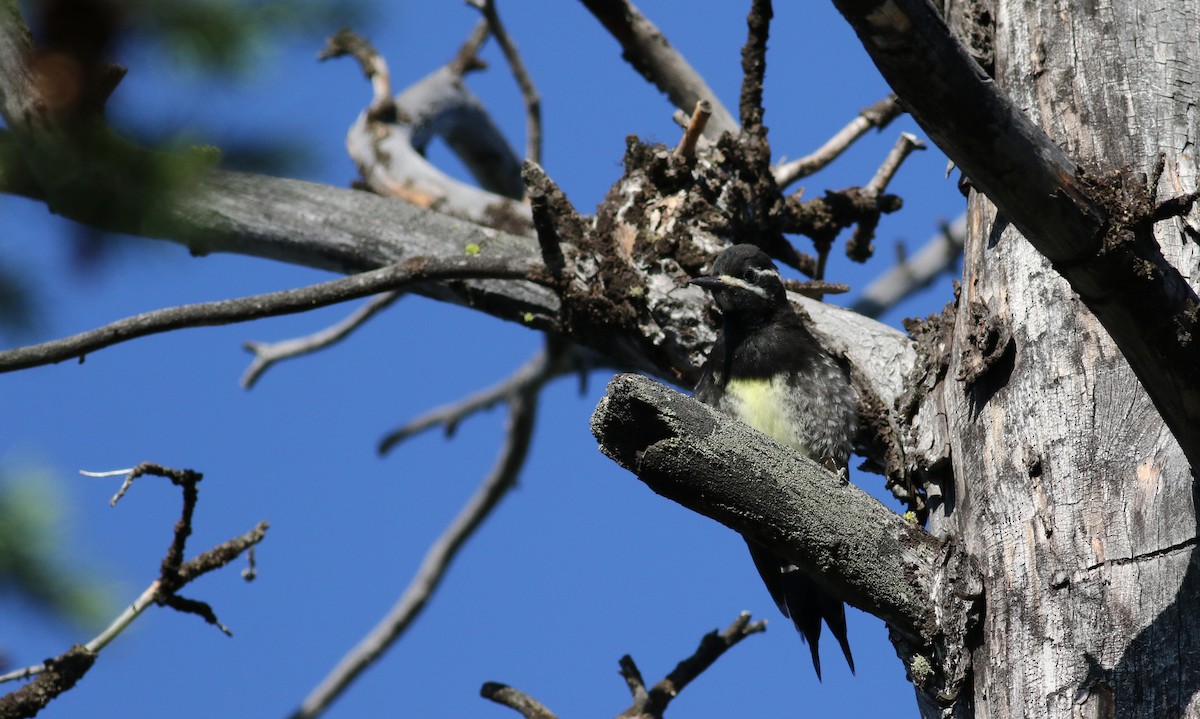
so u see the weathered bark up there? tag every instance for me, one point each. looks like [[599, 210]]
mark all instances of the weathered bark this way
[[1093, 218], [1068, 487]]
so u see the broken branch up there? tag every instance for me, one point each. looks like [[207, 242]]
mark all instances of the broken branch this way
[[695, 128]]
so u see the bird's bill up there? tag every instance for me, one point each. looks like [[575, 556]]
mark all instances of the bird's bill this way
[[708, 282]]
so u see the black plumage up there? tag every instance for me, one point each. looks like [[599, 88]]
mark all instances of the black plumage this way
[[768, 370]]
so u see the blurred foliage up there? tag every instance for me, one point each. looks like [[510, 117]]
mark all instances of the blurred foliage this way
[[77, 42], [229, 35], [221, 36], [33, 567]]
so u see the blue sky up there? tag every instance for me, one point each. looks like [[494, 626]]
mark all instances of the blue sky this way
[[580, 564]]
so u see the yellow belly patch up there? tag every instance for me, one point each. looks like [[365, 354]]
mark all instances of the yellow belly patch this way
[[760, 404]]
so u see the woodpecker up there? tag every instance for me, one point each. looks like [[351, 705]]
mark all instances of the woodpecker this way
[[767, 370]]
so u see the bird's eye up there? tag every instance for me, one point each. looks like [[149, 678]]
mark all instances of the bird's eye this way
[[750, 275]]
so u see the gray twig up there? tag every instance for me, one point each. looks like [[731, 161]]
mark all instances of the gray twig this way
[[267, 354], [905, 144], [374, 66], [529, 93], [879, 116], [645, 48], [530, 377], [522, 409]]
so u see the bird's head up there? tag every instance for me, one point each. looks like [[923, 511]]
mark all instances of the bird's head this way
[[745, 284]]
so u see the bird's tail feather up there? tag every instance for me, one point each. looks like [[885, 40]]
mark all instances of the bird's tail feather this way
[[800, 598]]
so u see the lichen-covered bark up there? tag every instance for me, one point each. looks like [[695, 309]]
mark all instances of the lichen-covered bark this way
[[1069, 489]]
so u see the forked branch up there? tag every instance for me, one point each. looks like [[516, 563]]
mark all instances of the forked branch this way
[[57, 675], [878, 116], [648, 703]]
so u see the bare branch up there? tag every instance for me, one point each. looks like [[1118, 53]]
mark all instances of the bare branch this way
[[879, 116], [345, 42], [223, 554], [180, 477], [529, 93], [267, 354], [555, 221], [57, 675], [466, 59], [645, 48], [529, 707], [522, 409], [271, 304], [911, 274], [647, 704], [633, 680], [695, 128], [859, 246]]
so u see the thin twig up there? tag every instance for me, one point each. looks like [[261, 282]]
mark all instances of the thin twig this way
[[645, 48], [271, 304], [522, 409], [754, 65], [878, 116], [267, 354], [529, 93], [905, 144], [911, 274], [695, 128], [529, 707], [346, 42], [712, 646], [466, 59], [530, 377]]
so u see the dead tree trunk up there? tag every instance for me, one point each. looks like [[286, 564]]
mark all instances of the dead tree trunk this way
[[1068, 488]]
